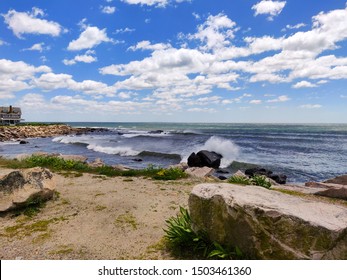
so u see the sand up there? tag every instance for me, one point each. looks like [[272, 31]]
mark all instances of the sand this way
[[97, 217]]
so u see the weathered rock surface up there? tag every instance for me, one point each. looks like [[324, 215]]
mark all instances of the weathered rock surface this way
[[21, 188], [331, 190], [199, 172], [29, 131], [267, 224], [204, 158], [341, 180]]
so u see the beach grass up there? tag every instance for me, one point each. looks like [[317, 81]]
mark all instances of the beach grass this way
[[57, 164]]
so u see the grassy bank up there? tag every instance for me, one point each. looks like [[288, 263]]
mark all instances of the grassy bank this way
[[57, 164]]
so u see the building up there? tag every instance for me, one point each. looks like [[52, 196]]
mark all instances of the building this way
[[10, 115]]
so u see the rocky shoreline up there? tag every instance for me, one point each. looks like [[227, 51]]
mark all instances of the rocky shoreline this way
[[10, 133]]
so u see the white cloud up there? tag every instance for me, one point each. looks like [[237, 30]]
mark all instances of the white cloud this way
[[269, 7], [215, 33], [108, 10], [343, 96], [255, 101], [29, 23], [86, 58], [146, 45], [16, 76], [156, 3], [304, 84], [311, 106], [40, 47], [51, 81], [125, 30], [296, 26], [91, 37], [282, 98]]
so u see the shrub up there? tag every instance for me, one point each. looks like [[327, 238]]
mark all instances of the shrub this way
[[256, 180], [183, 240], [240, 180], [170, 174], [261, 181]]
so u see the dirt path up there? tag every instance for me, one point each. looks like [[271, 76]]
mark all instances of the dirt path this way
[[96, 217]]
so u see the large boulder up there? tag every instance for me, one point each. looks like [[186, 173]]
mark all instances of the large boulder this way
[[205, 158], [267, 224], [199, 172], [22, 188]]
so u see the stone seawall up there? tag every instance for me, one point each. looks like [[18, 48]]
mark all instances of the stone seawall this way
[[8, 133]]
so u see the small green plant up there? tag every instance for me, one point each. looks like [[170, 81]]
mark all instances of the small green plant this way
[[256, 180], [261, 181], [170, 174], [240, 180], [183, 240]]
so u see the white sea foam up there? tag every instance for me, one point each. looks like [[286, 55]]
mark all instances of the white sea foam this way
[[122, 151], [227, 148]]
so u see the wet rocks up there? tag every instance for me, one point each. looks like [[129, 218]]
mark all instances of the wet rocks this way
[[278, 178], [205, 158], [8, 133]]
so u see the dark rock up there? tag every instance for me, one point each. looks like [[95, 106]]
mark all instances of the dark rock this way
[[222, 171], [279, 178], [137, 159], [194, 161], [22, 142], [156, 131], [204, 158], [222, 178], [258, 171]]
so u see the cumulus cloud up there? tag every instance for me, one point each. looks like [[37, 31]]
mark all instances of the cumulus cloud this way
[[30, 23], [215, 33], [40, 47], [86, 58], [146, 45], [91, 37], [282, 98], [269, 7], [108, 10], [310, 106], [255, 101], [304, 84], [155, 3], [125, 30]]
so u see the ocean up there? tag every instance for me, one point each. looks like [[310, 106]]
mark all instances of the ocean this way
[[303, 152]]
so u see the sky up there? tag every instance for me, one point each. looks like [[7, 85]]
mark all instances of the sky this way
[[227, 61]]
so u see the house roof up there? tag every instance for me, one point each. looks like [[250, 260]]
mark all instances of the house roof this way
[[15, 110]]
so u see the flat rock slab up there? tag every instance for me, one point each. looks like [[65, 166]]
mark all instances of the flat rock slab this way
[[266, 224]]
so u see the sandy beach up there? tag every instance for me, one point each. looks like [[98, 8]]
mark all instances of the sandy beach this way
[[97, 217]]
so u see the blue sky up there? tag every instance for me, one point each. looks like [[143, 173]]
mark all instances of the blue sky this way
[[175, 60]]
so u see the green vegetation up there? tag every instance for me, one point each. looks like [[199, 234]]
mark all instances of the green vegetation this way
[[57, 164], [256, 180], [127, 219], [183, 242], [22, 229]]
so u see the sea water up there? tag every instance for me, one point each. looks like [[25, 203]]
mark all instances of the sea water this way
[[303, 152]]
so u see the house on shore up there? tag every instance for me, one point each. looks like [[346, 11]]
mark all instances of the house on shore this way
[[10, 115]]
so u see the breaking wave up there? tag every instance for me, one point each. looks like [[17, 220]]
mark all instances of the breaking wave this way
[[122, 151]]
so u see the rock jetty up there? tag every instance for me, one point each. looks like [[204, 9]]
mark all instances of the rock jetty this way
[[8, 133]]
